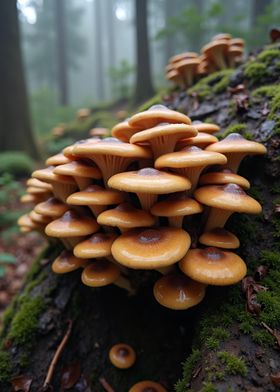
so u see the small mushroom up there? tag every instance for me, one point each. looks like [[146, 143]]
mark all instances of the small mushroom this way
[[188, 68], [99, 132], [220, 238], [123, 131], [222, 36], [39, 218], [223, 177], [216, 51], [213, 266], [122, 356], [97, 246], [82, 114], [35, 183], [234, 55], [67, 262], [147, 386], [201, 140], [178, 292], [206, 127], [57, 159], [51, 207]]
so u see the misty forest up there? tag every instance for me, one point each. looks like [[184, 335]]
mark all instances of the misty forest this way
[[139, 196]]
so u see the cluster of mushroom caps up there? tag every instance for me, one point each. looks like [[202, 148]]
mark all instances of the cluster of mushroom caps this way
[[132, 201], [221, 52]]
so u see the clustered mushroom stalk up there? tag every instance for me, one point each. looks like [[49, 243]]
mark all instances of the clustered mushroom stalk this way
[[138, 201], [221, 52]]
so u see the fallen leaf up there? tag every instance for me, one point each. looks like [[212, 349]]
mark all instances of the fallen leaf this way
[[21, 383], [70, 375], [253, 306], [260, 272], [275, 379], [237, 89], [242, 102]]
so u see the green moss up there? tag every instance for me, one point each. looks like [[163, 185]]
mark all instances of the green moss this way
[[268, 56], [246, 327], [255, 71], [270, 258], [265, 91], [233, 364], [216, 335], [263, 338], [270, 313], [208, 387], [235, 128], [25, 322], [5, 366], [188, 368], [215, 83]]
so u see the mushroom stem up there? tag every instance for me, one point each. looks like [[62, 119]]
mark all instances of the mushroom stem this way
[[83, 182], [234, 160], [110, 165], [125, 284], [219, 59], [176, 221], [217, 218], [96, 209], [166, 270], [62, 191], [163, 145], [192, 174], [146, 200]]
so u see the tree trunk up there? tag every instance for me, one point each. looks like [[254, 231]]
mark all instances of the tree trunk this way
[[144, 88], [61, 39], [15, 125], [233, 349], [99, 74]]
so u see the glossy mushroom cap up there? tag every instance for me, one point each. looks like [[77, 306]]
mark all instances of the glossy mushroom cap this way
[[72, 224], [151, 248], [147, 386], [69, 150], [126, 216], [35, 183], [57, 159], [98, 245], [67, 262], [157, 114], [222, 36], [235, 147], [123, 131], [79, 169], [51, 207], [237, 42], [213, 266], [178, 292], [163, 137], [100, 273], [201, 140], [188, 69], [122, 356], [216, 50], [223, 177], [178, 57], [206, 127], [220, 238], [39, 218], [95, 195]]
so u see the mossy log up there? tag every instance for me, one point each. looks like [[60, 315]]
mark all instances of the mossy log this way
[[222, 345]]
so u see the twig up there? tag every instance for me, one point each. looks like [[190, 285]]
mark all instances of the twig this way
[[106, 385], [270, 330], [57, 355]]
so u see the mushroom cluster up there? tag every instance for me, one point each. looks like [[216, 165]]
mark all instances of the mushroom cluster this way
[[142, 200], [221, 52]]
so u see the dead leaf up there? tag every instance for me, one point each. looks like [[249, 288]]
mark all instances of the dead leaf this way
[[242, 102], [274, 35], [260, 272], [237, 89], [265, 110], [253, 306], [275, 379], [70, 375], [21, 383]]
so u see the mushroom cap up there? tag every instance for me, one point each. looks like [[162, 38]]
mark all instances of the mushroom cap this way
[[126, 216], [28, 198], [187, 63], [220, 238], [200, 140], [113, 147], [39, 218], [213, 46], [37, 191], [206, 127], [98, 245], [237, 42], [178, 204], [72, 224], [235, 50], [35, 183], [68, 151], [222, 177], [26, 221], [157, 114], [151, 248], [147, 386], [190, 157], [179, 131], [67, 262], [122, 356], [123, 131], [213, 266], [51, 207], [57, 159], [47, 174], [79, 169], [227, 197], [149, 180], [99, 131], [222, 36], [100, 273], [236, 143], [95, 195], [178, 292], [173, 75], [181, 56]]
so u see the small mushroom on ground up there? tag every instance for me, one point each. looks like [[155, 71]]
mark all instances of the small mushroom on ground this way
[[67, 262], [82, 114], [220, 238], [122, 356], [188, 68], [148, 183], [147, 386], [216, 51], [151, 248], [178, 292], [213, 266]]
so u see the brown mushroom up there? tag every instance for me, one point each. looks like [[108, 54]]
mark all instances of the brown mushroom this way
[[220, 238], [67, 262], [222, 177], [51, 207], [122, 356], [217, 50], [97, 246], [147, 386], [82, 172]]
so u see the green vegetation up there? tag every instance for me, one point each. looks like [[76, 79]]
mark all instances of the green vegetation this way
[[215, 83], [5, 366], [235, 128], [263, 338], [208, 387], [16, 163], [233, 364], [120, 77], [216, 335], [257, 70], [188, 368]]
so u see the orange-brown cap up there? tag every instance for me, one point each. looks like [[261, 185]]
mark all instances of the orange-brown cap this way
[[215, 50], [123, 131], [98, 245], [174, 76], [147, 386], [47, 174], [201, 140], [67, 262], [219, 237], [72, 224], [236, 147], [78, 169], [182, 56], [122, 356], [157, 114], [188, 69], [151, 248], [178, 292], [32, 190], [222, 36], [95, 195], [51, 207], [206, 127], [57, 159], [26, 221], [68, 151], [213, 266], [35, 183], [125, 216], [237, 42], [163, 137], [100, 273], [28, 198], [39, 218], [225, 176]]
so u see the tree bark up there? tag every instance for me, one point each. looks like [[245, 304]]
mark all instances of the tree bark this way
[[61, 39], [144, 88], [15, 125]]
